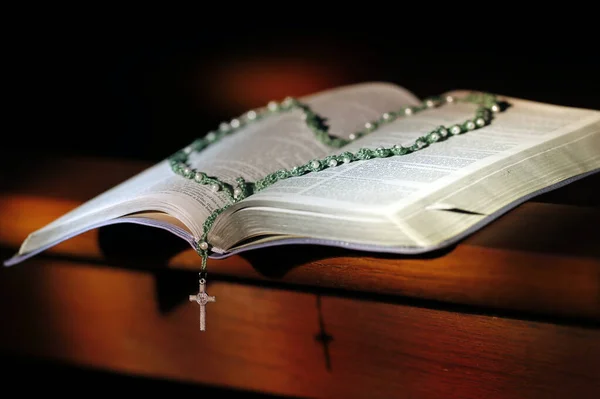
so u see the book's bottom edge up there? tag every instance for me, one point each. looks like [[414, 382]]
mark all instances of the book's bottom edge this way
[[179, 232], [407, 250]]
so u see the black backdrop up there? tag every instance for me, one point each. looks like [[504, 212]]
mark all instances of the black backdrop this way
[[142, 92]]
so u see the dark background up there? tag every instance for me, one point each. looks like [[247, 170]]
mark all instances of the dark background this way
[[142, 91]]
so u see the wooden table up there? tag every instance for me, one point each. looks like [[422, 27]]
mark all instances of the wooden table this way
[[511, 312]]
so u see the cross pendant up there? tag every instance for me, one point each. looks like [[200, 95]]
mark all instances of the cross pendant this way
[[202, 298]]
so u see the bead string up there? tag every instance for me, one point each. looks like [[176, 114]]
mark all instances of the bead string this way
[[487, 106]]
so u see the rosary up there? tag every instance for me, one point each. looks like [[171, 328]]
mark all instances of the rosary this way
[[487, 105]]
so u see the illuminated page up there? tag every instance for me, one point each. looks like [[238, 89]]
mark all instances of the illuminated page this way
[[388, 184], [272, 143]]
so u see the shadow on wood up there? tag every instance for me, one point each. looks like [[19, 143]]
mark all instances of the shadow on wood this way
[[135, 246], [276, 262]]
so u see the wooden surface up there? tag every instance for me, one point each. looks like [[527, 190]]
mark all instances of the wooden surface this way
[[541, 258], [264, 339], [510, 312]]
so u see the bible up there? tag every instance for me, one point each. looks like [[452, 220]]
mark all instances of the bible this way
[[368, 167]]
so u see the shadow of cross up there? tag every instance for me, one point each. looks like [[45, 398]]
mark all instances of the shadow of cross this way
[[202, 298], [323, 337]]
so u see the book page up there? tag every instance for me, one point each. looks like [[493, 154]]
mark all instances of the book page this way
[[284, 141], [418, 202], [382, 185], [275, 142]]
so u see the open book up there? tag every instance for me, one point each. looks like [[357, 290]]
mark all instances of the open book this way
[[426, 179]]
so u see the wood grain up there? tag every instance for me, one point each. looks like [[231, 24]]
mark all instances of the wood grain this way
[[264, 339]]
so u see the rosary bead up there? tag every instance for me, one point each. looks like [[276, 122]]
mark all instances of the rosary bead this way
[[470, 125], [237, 192], [235, 123], [387, 116], [251, 115], [289, 102], [272, 106], [215, 187], [211, 136], [224, 127], [364, 153], [199, 176], [203, 245], [408, 111], [315, 164], [382, 152], [443, 131], [186, 171], [369, 126], [352, 136], [433, 137], [449, 99], [399, 150], [332, 163], [420, 143], [455, 129], [495, 108], [429, 103], [480, 122], [346, 159]]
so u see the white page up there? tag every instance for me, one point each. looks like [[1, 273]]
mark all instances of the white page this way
[[380, 184], [280, 141], [276, 142], [284, 141]]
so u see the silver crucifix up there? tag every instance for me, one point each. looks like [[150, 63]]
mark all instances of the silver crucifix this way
[[202, 298]]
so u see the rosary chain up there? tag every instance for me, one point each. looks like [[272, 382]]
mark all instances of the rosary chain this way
[[487, 106]]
